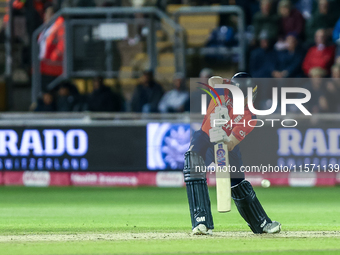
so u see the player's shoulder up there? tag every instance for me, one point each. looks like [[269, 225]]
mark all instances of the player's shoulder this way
[[248, 114]]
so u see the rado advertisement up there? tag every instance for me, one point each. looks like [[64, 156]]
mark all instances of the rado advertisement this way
[[73, 149]]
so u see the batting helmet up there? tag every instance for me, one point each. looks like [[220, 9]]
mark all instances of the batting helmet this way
[[244, 80]]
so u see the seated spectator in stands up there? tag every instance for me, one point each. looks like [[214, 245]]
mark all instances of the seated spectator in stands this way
[[261, 65], [205, 74], [333, 89], [266, 21], [147, 94], [175, 99], [291, 20], [320, 55], [318, 102], [193, 104], [250, 8], [46, 103], [336, 73], [103, 99], [51, 46], [305, 7], [288, 62], [67, 97], [261, 59], [323, 18], [336, 37]]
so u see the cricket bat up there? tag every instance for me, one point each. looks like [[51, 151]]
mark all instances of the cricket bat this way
[[223, 188]]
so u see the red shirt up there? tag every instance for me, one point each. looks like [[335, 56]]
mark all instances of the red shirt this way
[[319, 58], [51, 42], [238, 124]]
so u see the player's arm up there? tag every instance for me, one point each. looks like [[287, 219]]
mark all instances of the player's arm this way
[[233, 141], [239, 132]]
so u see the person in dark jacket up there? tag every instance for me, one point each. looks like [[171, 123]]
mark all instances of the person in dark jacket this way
[[261, 59], [46, 103], [147, 94], [266, 21], [324, 18], [288, 62], [103, 99], [261, 66], [336, 37], [67, 97], [291, 20], [317, 87], [333, 89], [305, 7]]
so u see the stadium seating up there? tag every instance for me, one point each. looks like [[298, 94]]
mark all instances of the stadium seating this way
[[198, 28]]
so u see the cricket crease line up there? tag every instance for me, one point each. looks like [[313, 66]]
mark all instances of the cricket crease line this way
[[164, 236]]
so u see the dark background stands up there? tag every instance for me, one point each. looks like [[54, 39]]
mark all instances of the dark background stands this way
[[147, 94], [103, 99]]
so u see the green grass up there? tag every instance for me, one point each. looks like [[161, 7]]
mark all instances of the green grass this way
[[75, 210]]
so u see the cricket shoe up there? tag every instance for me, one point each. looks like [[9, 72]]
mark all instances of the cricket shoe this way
[[272, 228], [201, 229]]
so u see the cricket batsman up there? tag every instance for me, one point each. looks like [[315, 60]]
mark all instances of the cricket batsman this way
[[201, 153]]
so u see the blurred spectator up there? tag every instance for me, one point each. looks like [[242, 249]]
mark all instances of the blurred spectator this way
[[175, 99], [34, 16], [33, 10], [305, 7], [336, 73], [46, 103], [51, 45], [266, 21], [34, 13], [250, 8], [193, 104], [288, 62], [324, 18], [103, 99], [262, 59], [221, 37], [206, 73], [147, 94], [321, 55], [336, 37], [291, 20], [318, 102], [67, 97], [333, 89]]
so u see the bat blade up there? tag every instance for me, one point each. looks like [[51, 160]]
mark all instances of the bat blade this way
[[223, 189]]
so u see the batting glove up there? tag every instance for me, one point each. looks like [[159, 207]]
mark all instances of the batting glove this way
[[220, 117], [218, 135]]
